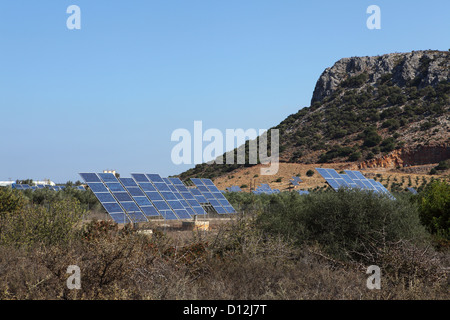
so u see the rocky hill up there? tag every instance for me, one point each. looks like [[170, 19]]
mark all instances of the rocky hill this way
[[385, 111]]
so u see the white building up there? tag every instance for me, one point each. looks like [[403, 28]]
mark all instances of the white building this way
[[9, 183]]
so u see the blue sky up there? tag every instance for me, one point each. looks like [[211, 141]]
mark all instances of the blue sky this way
[[109, 96]]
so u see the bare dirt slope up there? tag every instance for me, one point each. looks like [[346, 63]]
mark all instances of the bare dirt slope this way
[[251, 177]]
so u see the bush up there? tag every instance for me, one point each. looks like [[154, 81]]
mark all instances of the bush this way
[[11, 200], [310, 173], [434, 208], [348, 224], [37, 224], [371, 138], [355, 156], [443, 165]]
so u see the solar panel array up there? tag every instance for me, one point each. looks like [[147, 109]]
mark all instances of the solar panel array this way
[[42, 186], [234, 189], [144, 196], [303, 192], [213, 195], [295, 181], [352, 179], [265, 188]]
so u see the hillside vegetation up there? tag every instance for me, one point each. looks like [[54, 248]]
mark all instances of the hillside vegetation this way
[[364, 108]]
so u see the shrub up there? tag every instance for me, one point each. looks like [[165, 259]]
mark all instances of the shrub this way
[[310, 173], [11, 200], [355, 156], [371, 137], [388, 145], [434, 208], [348, 224], [36, 224], [443, 165]]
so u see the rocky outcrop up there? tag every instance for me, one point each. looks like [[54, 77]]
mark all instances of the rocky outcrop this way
[[428, 67], [407, 157]]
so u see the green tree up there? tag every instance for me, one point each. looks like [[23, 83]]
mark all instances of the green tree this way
[[371, 137], [11, 200], [434, 208]]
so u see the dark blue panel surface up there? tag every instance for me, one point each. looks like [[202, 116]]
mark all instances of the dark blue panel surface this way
[[122, 196], [90, 177], [97, 187], [154, 177], [128, 182], [108, 177], [150, 211], [114, 186], [136, 192], [142, 201], [154, 195], [139, 177], [119, 217], [130, 206], [112, 208], [147, 186]]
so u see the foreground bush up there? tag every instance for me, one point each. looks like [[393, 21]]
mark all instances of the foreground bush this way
[[348, 224], [41, 225], [434, 208]]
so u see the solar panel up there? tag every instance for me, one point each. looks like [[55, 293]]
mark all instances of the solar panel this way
[[97, 187], [303, 192], [412, 190], [169, 196], [349, 181], [128, 182], [90, 177], [198, 195], [123, 197], [192, 206], [324, 173], [139, 197], [234, 189], [159, 205], [352, 179], [187, 196], [105, 197], [219, 196], [215, 197], [294, 182]]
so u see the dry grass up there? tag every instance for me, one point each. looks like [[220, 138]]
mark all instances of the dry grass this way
[[233, 262]]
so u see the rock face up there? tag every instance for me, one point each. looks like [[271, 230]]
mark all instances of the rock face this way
[[409, 157], [425, 67]]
